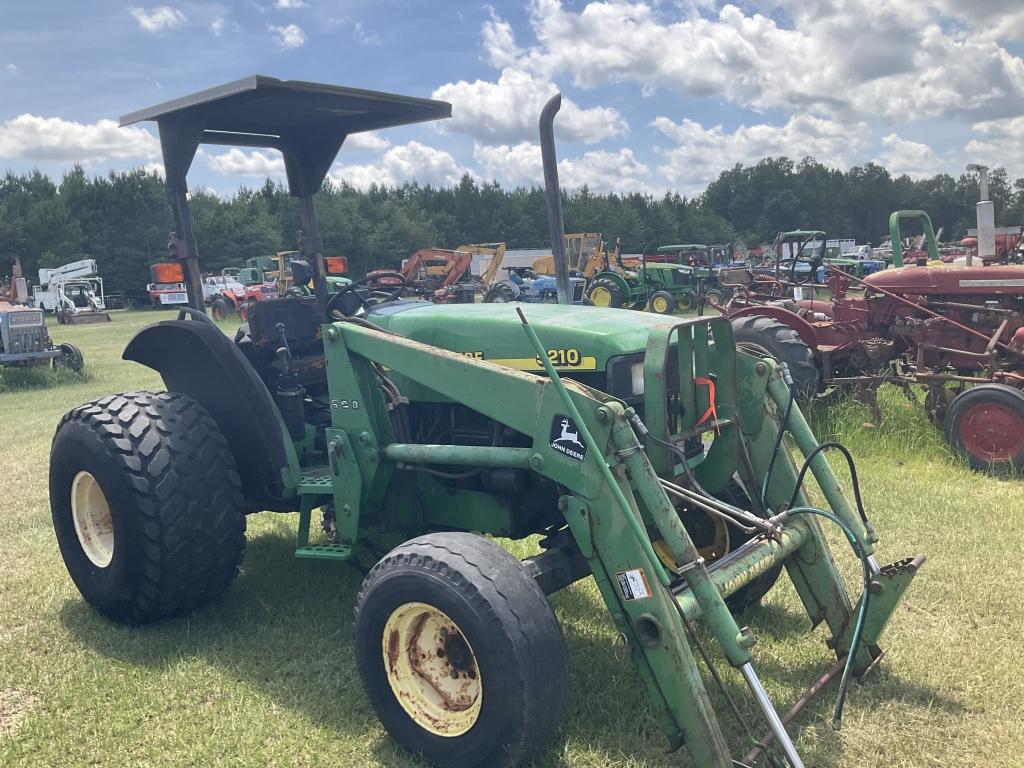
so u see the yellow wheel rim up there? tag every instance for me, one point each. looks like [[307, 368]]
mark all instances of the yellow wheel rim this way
[[601, 297], [90, 513], [717, 548], [432, 669], [660, 305]]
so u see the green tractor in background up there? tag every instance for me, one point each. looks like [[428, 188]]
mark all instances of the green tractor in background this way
[[706, 262], [661, 288]]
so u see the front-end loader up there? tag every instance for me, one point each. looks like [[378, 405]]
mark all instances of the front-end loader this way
[[657, 468]]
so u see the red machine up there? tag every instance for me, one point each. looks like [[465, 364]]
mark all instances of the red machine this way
[[167, 288], [959, 331], [434, 273]]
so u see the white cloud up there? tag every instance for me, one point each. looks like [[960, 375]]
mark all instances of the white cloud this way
[[507, 111], [406, 162], [10, 69], [29, 137], [289, 4], [511, 165], [361, 36], [217, 26], [288, 37], [912, 158], [158, 18], [254, 163], [1001, 144], [154, 167], [702, 153], [500, 42], [884, 57], [600, 170], [991, 19], [367, 140]]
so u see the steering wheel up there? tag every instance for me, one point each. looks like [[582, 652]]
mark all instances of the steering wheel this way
[[360, 294], [813, 263]]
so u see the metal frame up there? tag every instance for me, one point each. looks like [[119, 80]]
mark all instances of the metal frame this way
[[306, 122]]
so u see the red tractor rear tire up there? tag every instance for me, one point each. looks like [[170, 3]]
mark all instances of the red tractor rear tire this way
[[767, 337]]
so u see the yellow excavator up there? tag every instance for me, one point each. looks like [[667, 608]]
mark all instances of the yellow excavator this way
[[586, 254]]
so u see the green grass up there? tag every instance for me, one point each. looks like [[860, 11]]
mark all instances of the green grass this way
[[266, 676]]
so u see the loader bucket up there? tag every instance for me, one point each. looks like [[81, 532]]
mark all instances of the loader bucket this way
[[86, 318]]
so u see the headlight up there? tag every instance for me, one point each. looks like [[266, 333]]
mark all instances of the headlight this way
[[626, 376], [636, 377]]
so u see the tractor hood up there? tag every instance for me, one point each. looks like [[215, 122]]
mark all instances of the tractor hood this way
[[965, 281], [578, 338]]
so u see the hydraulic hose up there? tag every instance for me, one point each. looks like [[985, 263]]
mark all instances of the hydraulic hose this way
[[853, 478], [858, 630]]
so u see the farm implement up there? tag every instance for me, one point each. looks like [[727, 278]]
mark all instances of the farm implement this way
[[654, 467], [956, 331]]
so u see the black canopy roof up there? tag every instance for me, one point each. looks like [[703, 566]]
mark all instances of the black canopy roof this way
[[268, 106], [306, 121]]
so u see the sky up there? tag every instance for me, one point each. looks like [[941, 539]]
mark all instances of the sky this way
[[657, 96]]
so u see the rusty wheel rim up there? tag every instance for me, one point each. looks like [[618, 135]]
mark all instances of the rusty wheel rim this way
[[432, 669], [992, 432]]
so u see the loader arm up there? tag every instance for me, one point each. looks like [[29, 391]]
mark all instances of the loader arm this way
[[612, 499]]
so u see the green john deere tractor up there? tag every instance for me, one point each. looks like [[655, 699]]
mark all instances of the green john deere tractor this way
[[661, 288], [656, 469]]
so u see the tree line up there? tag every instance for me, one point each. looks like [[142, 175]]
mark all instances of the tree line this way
[[123, 219]]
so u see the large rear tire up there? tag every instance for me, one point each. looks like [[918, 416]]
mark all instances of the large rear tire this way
[[460, 653], [604, 292], [986, 425], [502, 293], [767, 337], [147, 505]]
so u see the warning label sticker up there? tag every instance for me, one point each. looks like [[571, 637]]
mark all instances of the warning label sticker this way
[[633, 584]]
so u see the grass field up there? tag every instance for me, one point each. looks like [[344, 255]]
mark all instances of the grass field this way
[[266, 676]]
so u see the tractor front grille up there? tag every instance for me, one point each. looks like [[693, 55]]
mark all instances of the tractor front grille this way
[[27, 340]]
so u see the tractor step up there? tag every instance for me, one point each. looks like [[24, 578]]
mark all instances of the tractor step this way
[[324, 552], [316, 480]]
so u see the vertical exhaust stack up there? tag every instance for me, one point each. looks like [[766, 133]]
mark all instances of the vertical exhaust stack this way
[[553, 195]]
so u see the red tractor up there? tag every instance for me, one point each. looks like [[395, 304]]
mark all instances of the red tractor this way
[[437, 274], [958, 331]]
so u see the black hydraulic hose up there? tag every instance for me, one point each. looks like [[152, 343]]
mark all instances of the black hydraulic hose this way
[[858, 630], [853, 478]]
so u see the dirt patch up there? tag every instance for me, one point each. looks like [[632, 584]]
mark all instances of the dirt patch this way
[[15, 705]]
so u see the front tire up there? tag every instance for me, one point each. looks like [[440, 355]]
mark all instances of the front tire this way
[[662, 303], [766, 337], [147, 505], [986, 425], [70, 359], [460, 653]]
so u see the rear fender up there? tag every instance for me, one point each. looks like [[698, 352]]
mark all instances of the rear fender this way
[[194, 357], [803, 329]]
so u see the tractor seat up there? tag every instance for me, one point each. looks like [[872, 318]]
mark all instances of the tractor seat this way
[[259, 339], [300, 317]]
